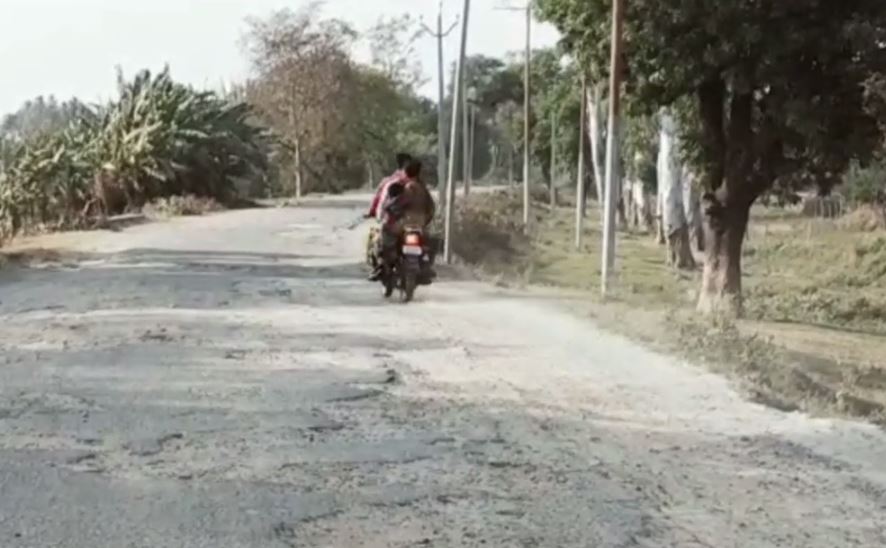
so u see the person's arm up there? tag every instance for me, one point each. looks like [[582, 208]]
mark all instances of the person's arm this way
[[376, 200], [432, 206]]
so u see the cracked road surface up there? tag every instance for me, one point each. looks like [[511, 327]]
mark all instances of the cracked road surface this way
[[231, 381]]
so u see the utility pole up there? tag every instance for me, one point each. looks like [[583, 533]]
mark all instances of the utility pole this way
[[472, 137], [526, 97], [456, 103], [465, 136], [615, 74], [580, 188], [440, 34], [526, 110], [553, 159]]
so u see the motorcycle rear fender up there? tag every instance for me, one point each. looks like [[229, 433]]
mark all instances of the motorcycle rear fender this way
[[412, 263]]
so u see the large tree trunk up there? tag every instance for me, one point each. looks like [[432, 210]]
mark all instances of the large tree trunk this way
[[597, 137], [298, 169], [370, 175], [641, 214], [670, 187], [621, 213], [731, 150], [692, 207], [493, 172], [725, 229], [633, 218]]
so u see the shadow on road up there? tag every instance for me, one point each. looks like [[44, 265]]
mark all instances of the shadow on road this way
[[343, 203], [196, 279]]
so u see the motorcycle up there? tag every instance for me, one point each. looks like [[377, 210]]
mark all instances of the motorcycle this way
[[411, 267]]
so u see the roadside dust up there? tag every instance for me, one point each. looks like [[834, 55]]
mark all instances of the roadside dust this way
[[821, 369]]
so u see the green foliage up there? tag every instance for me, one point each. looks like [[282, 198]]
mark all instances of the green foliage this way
[[865, 184], [158, 139], [40, 116], [771, 85], [339, 121], [498, 99], [179, 206], [557, 108], [641, 150]]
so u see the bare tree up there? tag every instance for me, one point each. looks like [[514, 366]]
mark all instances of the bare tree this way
[[302, 69], [393, 44]]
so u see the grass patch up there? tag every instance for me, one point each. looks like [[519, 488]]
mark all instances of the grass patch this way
[[490, 236], [177, 206], [815, 337]]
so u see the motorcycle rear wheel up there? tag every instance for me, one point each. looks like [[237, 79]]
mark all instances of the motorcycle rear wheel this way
[[407, 292]]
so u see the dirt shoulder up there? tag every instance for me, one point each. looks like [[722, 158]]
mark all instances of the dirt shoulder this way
[[815, 337]]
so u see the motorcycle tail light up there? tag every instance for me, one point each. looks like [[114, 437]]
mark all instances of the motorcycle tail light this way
[[413, 239]]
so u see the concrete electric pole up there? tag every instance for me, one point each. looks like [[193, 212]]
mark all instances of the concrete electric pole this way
[[580, 189], [612, 175], [526, 109], [440, 34], [457, 100]]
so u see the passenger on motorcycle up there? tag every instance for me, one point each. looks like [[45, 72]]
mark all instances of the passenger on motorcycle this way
[[381, 193], [408, 203], [376, 209]]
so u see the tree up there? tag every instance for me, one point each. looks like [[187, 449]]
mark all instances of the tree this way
[[671, 190], [41, 116], [766, 99], [640, 183], [392, 43], [302, 71], [499, 102], [498, 88], [339, 121], [557, 109]]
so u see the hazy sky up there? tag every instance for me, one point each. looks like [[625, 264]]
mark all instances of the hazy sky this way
[[70, 47]]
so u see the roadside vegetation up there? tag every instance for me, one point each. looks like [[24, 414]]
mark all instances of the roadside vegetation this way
[[66, 165]]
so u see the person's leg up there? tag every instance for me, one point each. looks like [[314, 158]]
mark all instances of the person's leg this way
[[432, 245], [386, 250], [376, 255], [390, 239], [371, 259]]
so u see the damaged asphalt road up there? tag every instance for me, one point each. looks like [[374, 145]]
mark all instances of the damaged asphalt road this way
[[231, 381]]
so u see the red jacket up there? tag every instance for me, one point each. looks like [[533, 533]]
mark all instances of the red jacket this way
[[382, 192]]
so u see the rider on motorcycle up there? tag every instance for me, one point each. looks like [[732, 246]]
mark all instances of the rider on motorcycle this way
[[376, 210], [408, 203]]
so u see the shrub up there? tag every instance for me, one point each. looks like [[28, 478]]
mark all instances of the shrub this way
[[157, 140], [865, 184]]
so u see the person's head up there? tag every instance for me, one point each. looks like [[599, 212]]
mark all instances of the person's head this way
[[395, 190], [403, 160], [413, 169]]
